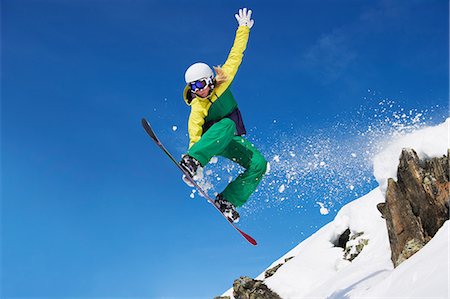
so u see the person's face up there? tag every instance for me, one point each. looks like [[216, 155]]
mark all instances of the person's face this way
[[203, 93]]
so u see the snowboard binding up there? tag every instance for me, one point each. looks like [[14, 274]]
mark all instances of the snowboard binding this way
[[227, 209]]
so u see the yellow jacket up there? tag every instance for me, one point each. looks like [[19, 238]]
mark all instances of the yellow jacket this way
[[220, 102]]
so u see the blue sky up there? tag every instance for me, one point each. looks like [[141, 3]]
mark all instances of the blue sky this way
[[91, 208]]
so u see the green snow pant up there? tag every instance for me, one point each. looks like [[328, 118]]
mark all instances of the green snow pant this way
[[220, 140]]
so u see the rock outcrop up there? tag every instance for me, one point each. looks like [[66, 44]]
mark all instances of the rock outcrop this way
[[417, 205], [248, 288], [352, 243], [274, 269], [343, 239], [354, 246]]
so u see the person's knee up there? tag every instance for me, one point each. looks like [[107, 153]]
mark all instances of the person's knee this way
[[259, 164], [228, 125]]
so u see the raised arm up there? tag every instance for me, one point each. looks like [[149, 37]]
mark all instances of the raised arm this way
[[234, 59]]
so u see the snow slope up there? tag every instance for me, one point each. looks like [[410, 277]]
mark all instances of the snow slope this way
[[318, 269]]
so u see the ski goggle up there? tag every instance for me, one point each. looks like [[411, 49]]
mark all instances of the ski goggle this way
[[200, 84]]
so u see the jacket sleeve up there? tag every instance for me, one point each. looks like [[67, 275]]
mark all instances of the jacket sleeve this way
[[234, 59], [195, 123]]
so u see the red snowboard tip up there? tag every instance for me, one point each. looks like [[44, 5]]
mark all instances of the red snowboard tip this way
[[248, 238]]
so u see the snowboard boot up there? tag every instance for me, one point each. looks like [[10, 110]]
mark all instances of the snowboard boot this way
[[227, 208], [190, 166]]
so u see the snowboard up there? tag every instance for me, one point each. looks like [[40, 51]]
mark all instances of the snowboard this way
[[151, 133]]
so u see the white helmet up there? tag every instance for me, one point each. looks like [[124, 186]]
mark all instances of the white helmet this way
[[198, 71]]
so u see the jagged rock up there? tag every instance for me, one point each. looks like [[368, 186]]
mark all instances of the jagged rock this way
[[248, 288], [343, 239], [411, 247], [222, 297], [354, 246], [274, 269], [381, 206], [416, 205], [288, 259]]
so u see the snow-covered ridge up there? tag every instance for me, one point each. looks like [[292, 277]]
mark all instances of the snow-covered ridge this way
[[318, 268]]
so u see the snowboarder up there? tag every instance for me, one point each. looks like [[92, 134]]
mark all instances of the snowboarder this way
[[216, 127]]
